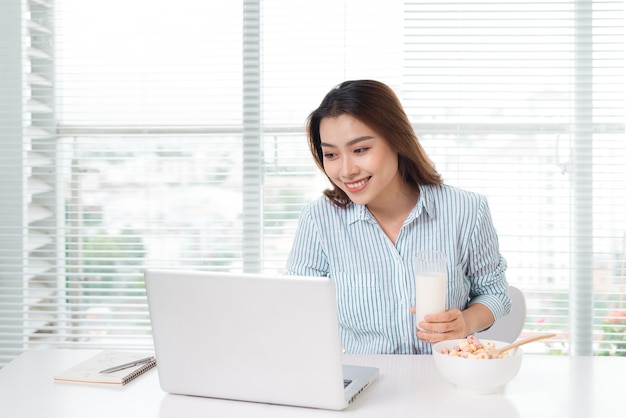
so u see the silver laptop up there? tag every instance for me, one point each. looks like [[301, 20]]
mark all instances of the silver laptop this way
[[250, 337]]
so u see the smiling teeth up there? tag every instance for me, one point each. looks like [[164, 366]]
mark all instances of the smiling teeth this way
[[356, 185]]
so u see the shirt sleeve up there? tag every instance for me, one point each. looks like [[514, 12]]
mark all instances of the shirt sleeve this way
[[486, 267], [307, 256]]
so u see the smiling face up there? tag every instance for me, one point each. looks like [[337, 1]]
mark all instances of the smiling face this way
[[359, 161]]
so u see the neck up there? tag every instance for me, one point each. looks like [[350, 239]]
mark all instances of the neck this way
[[397, 205], [392, 214]]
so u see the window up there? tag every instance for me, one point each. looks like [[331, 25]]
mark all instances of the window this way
[[172, 135]]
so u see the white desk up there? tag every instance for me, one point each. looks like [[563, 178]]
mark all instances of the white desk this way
[[409, 386]]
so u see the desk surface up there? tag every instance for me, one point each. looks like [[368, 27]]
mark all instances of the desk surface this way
[[409, 386]]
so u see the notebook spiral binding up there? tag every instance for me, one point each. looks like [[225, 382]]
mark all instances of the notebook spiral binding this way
[[139, 371]]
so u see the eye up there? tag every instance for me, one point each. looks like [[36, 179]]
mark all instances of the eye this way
[[361, 150], [329, 155]]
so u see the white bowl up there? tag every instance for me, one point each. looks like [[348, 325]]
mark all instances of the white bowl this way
[[480, 376]]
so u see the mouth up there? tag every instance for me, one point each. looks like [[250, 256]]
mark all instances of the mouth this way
[[357, 186]]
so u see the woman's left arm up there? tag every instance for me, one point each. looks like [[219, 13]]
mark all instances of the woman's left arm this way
[[488, 299]]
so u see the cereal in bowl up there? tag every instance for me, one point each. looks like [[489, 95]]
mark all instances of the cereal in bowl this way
[[472, 348]]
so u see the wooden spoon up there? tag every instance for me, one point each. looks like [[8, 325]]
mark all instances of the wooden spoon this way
[[496, 353]]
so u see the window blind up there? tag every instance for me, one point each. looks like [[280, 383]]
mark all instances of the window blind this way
[[523, 101], [160, 134]]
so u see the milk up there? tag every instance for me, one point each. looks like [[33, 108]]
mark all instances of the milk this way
[[430, 294]]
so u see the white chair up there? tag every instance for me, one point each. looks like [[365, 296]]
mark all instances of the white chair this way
[[509, 327]]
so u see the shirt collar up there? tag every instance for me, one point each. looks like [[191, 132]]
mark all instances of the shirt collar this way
[[358, 213], [425, 203]]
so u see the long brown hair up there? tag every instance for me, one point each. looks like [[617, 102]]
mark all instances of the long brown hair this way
[[376, 105]]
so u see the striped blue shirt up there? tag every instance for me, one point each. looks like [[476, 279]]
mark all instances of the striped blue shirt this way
[[374, 278]]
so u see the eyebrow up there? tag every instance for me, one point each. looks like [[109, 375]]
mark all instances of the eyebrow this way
[[350, 143]]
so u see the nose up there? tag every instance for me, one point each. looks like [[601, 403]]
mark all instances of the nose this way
[[348, 167]]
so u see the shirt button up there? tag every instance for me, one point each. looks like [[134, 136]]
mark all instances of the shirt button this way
[[404, 338]]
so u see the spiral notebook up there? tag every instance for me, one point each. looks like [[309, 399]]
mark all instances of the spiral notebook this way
[[90, 371]]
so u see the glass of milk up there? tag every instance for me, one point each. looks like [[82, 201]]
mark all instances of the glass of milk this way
[[431, 280]]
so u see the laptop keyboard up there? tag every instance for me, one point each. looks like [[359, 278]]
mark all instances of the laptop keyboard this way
[[346, 382]]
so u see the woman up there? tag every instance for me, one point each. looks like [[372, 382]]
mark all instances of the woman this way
[[388, 202]]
